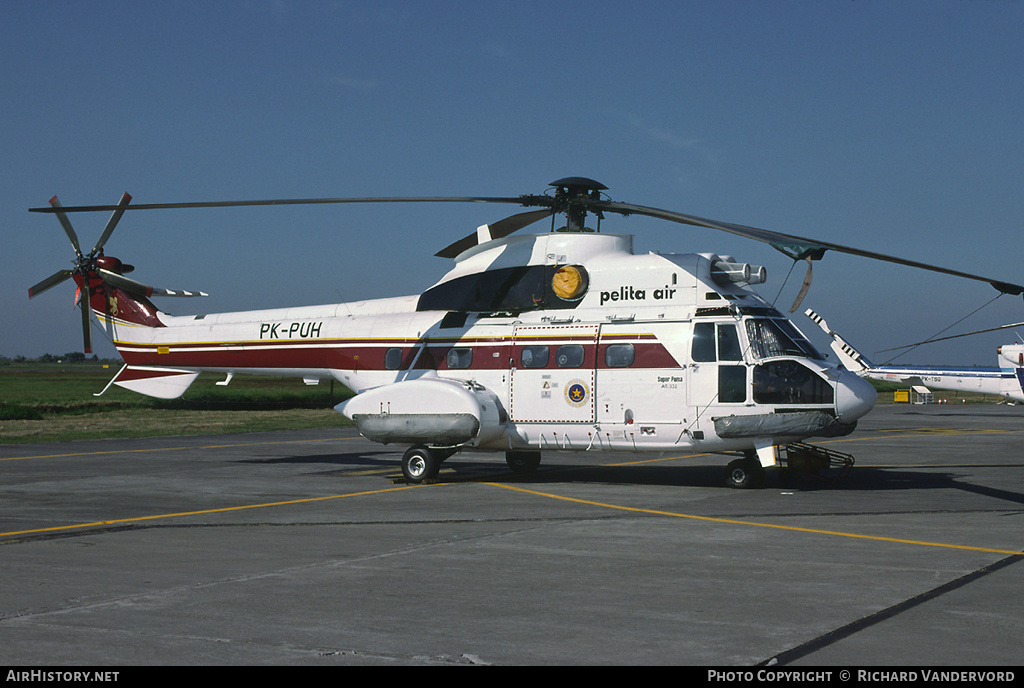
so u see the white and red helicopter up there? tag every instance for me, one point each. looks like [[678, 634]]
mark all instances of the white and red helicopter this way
[[560, 341]]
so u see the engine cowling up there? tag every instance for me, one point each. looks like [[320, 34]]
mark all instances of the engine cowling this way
[[430, 411]]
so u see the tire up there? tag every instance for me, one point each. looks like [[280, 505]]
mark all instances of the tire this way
[[745, 474], [419, 464], [522, 462]]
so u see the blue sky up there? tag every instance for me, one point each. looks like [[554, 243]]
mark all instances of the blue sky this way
[[889, 126]]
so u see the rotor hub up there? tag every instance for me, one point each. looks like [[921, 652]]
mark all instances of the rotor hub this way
[[572, 196]]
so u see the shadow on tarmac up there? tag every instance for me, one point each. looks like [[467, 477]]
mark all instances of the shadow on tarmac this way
[[464, 468]]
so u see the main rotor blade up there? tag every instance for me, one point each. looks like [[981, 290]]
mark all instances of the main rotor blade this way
[[86, 304], [51, 281], [112, 222], [55, 207], [292, 201], [794, 246], [954, 336], [498, 230], [806, 285]]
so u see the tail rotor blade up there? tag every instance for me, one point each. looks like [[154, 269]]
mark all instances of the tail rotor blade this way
[[66, 223], [51, 281], [125, 283], [180, 293], [112, 222], [140, 289]]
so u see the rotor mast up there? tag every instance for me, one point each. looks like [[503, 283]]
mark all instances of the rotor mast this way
[[572, 196]]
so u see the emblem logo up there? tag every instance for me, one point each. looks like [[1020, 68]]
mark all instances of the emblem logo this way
[[576, 393]]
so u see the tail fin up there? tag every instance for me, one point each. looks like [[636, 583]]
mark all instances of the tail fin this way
[[114, 306], [851, 358], [1010, 356], [118, 309]]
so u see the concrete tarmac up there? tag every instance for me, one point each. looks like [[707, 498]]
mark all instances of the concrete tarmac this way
[[305, 548]]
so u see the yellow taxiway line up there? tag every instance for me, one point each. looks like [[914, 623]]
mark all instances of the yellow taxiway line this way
[[221, 510], [711, 519], [548, 495], [502, 485]]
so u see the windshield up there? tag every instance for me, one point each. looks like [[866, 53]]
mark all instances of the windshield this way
[[771, 338]]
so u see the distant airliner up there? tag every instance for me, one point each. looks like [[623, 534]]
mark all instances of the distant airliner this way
[[1006, 381]]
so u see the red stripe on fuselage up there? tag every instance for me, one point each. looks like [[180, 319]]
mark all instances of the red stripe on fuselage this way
[[488, 354]]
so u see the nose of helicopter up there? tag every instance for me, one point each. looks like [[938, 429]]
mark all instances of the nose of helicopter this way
[[854, 397]]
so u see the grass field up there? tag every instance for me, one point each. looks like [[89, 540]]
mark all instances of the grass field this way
[[55, 402]]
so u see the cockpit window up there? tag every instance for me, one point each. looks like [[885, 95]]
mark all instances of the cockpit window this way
[[715, 342], [771, 338], [788, 382], [729, 343], [703, 348]]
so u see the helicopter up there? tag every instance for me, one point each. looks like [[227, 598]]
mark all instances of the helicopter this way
[[563, 340]]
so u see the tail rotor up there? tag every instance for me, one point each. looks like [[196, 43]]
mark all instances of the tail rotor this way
[[94, 269]]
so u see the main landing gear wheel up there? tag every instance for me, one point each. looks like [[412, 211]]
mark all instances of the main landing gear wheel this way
[[419, 464], [522, 462], [745, 473]]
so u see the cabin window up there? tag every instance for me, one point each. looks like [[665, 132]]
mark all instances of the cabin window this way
[[619, 355], [534, 356], [569, 356], [459, 358], [393, 358]]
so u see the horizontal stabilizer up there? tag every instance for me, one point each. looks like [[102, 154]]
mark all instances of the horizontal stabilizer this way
[[162, 383]]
